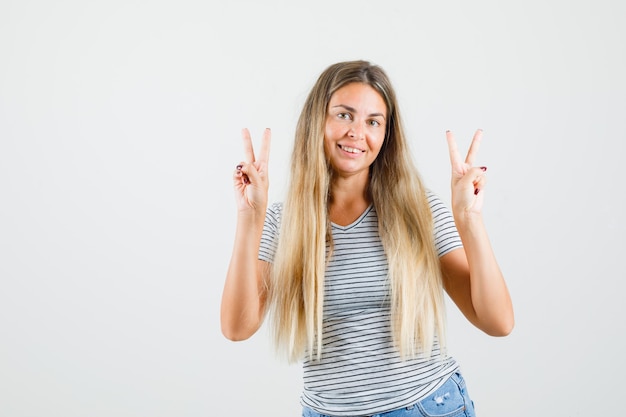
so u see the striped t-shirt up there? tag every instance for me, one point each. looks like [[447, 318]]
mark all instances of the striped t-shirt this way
[[360, 371]]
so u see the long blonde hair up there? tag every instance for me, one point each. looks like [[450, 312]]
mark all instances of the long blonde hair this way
[[405, 224]]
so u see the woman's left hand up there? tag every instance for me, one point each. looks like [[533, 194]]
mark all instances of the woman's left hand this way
[[468, 181], [471, 275]]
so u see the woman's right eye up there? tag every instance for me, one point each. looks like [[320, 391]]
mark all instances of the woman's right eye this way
[[344, 116]]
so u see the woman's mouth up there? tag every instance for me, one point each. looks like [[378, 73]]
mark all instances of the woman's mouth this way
[[350, 149]]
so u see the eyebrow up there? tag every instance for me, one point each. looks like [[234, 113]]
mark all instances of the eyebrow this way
[[353, 110]]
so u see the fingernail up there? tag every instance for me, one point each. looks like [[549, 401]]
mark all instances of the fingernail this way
[[476, 191], [239, 167], [483, 168], [246, 180]]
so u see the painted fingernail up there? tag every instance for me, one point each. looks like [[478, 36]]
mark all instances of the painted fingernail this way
[[239, 167], [476, 191], [483, 168], [246, 180]]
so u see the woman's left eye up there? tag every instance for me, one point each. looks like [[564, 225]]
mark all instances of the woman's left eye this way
[[374, 123]]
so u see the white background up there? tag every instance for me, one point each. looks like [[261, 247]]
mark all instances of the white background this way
[[119, 131]]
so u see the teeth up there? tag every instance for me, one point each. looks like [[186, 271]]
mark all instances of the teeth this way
[[351, 150]]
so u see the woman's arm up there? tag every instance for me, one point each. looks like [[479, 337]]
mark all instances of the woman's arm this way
[[244, 295], [471, 275], [473, 280]]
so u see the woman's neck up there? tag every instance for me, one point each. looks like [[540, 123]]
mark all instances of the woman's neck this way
[[349, 199]]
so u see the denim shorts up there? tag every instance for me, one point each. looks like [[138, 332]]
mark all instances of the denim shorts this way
[[449, 400]]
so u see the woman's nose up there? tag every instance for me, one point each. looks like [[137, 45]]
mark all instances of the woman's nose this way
[[356, 132]]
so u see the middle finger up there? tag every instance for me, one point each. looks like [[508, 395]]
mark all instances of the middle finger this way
[[473, 150], [248, 150]]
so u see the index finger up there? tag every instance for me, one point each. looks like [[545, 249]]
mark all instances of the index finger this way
[[248, 150], [264, 155], [455, 158], [473, 150]]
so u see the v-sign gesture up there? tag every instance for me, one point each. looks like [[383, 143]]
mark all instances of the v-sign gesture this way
[[250, 178], [468, 181], [472, 276], [243, 298]]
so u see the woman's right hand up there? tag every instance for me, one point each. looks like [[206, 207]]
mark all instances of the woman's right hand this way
[[250, 178], [244, 295]]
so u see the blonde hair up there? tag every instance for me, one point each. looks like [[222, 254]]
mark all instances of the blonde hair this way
[[405, 224]]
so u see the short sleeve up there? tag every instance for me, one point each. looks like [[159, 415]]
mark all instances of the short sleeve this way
[[446, 235], [271, 227]]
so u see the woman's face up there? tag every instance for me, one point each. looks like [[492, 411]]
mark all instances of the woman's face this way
[[355, 128]]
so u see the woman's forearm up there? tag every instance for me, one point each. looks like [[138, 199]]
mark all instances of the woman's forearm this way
[[490, 296], [243, 298]]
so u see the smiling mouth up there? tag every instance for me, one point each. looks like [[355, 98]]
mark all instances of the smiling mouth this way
[[349, 149]]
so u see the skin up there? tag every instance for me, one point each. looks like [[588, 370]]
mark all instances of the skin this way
[[353, 136], [243, 298], [471, 275], [356, 121]]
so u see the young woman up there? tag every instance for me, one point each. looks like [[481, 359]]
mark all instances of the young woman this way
[[352, 267]]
